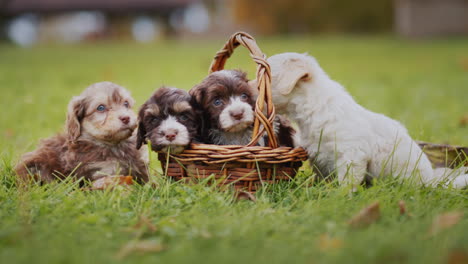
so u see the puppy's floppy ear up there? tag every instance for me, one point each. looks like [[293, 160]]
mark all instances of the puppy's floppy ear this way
[[141, 133], [290, 76], [201, 116], [75, 114], [197, 93], [287, 69], [254, 87]]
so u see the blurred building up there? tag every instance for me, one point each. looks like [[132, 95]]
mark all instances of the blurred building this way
[[30, 21], [427, 18], [26, 22], [14, 7]]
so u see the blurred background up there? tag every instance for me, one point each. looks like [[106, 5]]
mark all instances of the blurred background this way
[[407, 59], [28, 22]]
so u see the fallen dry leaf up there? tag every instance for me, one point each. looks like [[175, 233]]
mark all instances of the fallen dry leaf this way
[[140, 247], [327, 243], [241, 195], [403, 210], [464, 121], [444, 221], [145, 222], [111, 181], [458, 257], [464, 64], [366, 216], [402, 206], [206, 234], [9, 133]]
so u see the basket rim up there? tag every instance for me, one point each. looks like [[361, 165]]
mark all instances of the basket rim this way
[[219, 154]]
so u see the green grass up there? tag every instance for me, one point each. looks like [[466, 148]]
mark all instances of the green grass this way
[[422, 84]]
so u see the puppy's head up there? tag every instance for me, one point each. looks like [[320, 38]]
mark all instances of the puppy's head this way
[[102, 112], [289, 71], [168, 120], [226, 100]]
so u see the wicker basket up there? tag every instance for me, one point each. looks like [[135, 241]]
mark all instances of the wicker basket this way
[[244, 167]]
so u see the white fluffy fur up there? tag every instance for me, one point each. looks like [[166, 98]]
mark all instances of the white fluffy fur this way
[[233, 138], [340, 135], [229, 123], [171, 125]]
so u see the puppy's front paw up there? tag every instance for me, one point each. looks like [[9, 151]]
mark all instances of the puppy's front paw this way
[[107, 182], [460, 182]]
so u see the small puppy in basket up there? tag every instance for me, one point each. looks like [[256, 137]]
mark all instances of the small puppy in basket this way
[[97, 142], [226, 101], [343, 137], [167, 120]]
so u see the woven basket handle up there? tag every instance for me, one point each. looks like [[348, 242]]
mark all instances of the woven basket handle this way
[[263, 81]]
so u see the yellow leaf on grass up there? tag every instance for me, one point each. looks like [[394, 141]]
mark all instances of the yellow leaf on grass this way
[[241, 195], [464, 121], [444, 221], [458, 257], [366, 216], [145, 222], [327, 243], [140, 247], [464, 64], [403, 210]]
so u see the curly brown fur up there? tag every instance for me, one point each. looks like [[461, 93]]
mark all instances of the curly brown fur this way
[[97, 142], [226, 102], [167, 120]]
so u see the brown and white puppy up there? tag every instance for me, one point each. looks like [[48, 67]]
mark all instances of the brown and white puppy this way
[[226, 102], [167, 120], [97, 142]]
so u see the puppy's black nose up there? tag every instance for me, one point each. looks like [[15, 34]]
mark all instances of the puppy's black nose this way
[[237, 115], [125, 119]]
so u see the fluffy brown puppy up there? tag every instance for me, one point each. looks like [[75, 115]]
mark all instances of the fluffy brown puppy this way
[[226, 101], [167, 120], [97, 142]]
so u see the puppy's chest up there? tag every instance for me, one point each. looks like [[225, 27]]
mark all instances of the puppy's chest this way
[[106, 161], [107, 168], [224, 138]]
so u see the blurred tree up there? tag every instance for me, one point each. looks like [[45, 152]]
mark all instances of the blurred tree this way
[[3, 4], [297, 16]]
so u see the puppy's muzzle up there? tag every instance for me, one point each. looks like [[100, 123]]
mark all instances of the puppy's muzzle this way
[[170, 134], [237, 114], [125, 119]]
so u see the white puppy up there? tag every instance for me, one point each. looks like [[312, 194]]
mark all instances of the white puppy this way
[[341, 136]]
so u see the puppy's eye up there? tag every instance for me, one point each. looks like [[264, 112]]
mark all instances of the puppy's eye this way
[[183, 117], [217, 102], [101, 108], [126, 104], [244, 96]]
